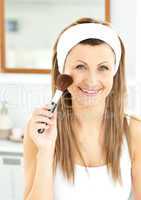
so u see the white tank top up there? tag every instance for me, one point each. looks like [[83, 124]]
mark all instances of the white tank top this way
[[97, 184]]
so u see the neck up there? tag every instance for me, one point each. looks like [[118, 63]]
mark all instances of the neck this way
[[87, 121], [88, 116]]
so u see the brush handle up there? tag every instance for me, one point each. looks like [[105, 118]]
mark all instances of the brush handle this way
[[52, 106], [51, 110]]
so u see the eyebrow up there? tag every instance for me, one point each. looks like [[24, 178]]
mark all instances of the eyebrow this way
[[98, 64]]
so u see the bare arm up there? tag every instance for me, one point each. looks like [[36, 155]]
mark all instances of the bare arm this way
[[29, 155], [38, 160], [42, 187]]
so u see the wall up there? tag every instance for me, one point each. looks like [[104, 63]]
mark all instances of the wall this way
[[123, 15], [124, 19]]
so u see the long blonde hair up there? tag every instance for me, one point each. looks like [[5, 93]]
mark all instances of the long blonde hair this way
[[115, 120]]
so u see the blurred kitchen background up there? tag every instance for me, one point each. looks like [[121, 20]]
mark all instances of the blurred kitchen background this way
[[30, 29]]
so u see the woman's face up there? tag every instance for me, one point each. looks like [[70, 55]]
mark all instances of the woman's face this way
[[91, 68]]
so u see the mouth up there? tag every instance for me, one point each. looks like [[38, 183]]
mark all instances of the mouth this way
[[90, 92]]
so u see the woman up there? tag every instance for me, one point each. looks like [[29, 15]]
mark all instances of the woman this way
[[90, 148]]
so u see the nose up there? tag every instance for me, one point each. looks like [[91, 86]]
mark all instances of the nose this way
[[92, 78]]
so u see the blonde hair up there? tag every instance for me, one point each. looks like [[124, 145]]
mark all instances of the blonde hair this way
[[115, 120]]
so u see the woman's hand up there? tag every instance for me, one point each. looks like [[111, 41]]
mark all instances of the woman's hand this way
[[39, 118]]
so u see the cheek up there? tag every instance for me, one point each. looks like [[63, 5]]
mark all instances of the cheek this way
[[108, 85], [73, 89], [77, 79]]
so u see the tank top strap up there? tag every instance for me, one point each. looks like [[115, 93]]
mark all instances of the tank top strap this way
[[128, 117]]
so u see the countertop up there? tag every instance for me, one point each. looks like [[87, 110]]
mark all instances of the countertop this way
[[10, 147]]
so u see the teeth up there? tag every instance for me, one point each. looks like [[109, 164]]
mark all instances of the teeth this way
[[90, 91]]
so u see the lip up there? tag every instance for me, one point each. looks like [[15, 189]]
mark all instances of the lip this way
[[90, 93]]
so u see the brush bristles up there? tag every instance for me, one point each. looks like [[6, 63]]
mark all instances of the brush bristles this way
[[63, 81]]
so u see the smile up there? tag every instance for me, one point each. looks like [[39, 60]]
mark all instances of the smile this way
[[90, 92]]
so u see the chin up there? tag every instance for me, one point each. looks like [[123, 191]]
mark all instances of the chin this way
[[88, 101]]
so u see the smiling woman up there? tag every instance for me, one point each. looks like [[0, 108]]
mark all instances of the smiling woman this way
[[90, 149]]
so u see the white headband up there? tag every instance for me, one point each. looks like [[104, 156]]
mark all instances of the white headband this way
[[79, 32]]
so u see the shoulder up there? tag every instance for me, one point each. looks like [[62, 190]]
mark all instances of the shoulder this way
[[135, 134]]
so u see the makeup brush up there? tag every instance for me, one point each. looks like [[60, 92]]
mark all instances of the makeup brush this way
[[63, 82]]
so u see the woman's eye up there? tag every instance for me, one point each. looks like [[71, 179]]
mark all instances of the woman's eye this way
[[80, 66], [104, 67]]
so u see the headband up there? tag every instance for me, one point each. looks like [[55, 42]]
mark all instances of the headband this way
[[79, 32]]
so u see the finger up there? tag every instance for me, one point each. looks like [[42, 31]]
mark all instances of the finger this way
[[42, 111], [54, 116], [45, 113], [34, 132], [41, 130], [42, 119], [38, 110], [40, 126]]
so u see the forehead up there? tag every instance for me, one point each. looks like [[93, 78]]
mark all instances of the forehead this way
[[95, 53]]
